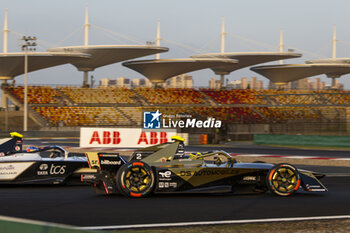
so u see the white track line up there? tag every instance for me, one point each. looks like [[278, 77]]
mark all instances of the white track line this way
[[184, 224], [346, 159]]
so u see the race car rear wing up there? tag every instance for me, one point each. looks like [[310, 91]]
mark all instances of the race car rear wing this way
[[11, 145], [174, 149]]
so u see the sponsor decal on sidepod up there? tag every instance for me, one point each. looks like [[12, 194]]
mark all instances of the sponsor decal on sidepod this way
[[109, 162], [54, 170]]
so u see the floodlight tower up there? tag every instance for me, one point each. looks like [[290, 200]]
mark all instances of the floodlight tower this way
[[29, 43], [223, 34], [86, 43]]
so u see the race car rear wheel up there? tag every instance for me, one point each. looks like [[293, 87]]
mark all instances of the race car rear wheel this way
[[135, 179], [283, 179]]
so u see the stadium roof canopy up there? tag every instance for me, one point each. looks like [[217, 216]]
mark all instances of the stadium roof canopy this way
[[12, 64], [158, 71], [246, 59], [282, 74], [330, 60], [102, 55]]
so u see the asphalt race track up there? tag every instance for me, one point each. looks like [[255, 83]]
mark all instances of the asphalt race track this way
[[80, 206]]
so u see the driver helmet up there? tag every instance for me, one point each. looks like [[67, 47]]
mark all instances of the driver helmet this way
[[32, 149]]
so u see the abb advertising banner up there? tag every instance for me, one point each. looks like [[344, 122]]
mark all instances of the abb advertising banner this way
[[123, 137]]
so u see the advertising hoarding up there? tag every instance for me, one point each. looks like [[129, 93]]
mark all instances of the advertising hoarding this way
[[123, 137]]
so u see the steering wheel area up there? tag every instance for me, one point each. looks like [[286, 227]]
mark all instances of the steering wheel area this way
[[55, 154], [218, 157]]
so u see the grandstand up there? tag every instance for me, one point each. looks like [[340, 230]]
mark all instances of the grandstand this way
[[82, 116], [36, 94], [242, 111], [171, 96], [234, 96], [98, 95]]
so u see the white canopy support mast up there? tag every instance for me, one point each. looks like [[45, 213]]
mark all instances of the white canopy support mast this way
[[86, 42], [223, 34], [158, 38], [281, 46], [5, 47]]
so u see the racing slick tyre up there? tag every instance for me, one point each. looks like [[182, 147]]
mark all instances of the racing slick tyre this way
[[283, 179], [135, 179]]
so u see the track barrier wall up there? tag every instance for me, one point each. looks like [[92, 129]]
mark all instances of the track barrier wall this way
[[302, 140]]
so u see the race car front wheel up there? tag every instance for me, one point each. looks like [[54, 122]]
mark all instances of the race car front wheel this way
[[283, 179], [135, 179]]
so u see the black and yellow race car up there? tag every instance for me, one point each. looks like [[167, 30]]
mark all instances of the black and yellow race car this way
[[165, 168]]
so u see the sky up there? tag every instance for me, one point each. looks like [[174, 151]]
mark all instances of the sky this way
[[187, 28]]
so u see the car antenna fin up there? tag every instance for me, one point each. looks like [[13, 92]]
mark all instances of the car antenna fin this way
[[15, 134], [11, 145], [177, 138]]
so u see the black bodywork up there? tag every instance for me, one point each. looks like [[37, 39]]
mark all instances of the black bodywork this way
[[44, 165], [166, 169]]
